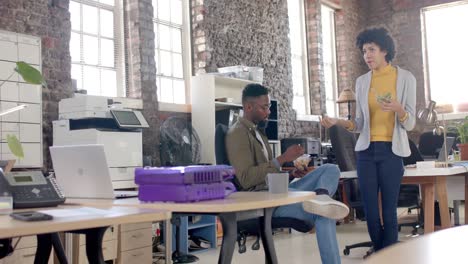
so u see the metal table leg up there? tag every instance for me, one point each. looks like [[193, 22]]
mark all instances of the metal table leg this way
[[229, 223], [168, 241], [45, 242], [44, 247], [177, 256], [58, 248], [94, 237], [266, 234], [456, 212]]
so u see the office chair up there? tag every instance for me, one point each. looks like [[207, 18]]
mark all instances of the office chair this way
[[409, 193], [251, 227], [430, 144]]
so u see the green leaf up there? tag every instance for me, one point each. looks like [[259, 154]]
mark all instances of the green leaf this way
[[15, 146], [30, 74]]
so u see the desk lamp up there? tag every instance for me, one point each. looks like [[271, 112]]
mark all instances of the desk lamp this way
[[347, 96], [428, 116]]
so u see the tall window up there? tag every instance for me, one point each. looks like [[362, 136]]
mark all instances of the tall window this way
[[171, 54], [298, 57], [96, 46], [446, 44], [329, 59]]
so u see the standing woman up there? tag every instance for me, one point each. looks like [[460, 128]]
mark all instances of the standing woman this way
[[385, 110]]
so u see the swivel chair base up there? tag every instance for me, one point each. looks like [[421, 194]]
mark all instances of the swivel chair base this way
[[177, 257], [347, 249]]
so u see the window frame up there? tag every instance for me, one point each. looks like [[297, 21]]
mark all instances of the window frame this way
[[333, 64], [119, 47], [304, 59], [186, 59], [425, 53]]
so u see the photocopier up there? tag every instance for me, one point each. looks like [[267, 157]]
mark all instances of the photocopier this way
[[87, 119]]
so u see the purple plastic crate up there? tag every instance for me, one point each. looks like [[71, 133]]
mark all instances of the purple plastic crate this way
[[184, 193], [183, 175]]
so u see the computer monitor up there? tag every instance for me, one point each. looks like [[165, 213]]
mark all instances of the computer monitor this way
[[449, 143]]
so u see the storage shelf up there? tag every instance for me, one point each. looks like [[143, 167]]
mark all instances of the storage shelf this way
[[199, 250], [222, 105], [193, 226], [205, 228], [232, 81], [207, 113], [451, 116]]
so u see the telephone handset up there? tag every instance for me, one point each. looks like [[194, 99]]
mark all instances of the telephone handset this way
[[30, 189]]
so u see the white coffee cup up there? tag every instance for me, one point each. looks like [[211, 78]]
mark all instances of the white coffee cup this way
[[278, 182]]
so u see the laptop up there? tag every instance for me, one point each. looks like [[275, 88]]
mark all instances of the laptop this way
[[449, 143], [82, 172]]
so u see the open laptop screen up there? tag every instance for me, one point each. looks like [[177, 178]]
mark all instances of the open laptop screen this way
[[82, 171]]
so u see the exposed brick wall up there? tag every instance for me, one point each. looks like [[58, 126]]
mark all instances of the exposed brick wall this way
[[313, 18], [252, 33], [141, 69], [255, 33], [49, 20], [349, 21], [200, 53]]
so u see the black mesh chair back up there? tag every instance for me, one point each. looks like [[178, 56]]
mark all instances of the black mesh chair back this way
[[343, 143], [220, 147]]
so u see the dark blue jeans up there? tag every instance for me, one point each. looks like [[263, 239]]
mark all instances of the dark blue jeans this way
[[380, 170]]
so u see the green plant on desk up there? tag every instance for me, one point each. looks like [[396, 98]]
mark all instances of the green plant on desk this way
[[462, 129], [32, 76]]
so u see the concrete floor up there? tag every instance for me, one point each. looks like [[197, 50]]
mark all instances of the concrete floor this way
[[303, 248]]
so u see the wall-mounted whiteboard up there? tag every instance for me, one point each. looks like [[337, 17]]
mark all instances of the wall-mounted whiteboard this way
[[26, 124]]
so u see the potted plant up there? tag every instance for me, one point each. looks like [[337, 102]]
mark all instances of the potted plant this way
[[462, 129], [32, 76]]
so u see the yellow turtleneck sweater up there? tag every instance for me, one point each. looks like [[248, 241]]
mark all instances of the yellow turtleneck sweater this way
[[382, 123]]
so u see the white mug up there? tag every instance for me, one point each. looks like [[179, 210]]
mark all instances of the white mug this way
[[278, 182]]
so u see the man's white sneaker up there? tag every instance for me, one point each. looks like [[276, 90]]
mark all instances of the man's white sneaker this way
[[325, 206]]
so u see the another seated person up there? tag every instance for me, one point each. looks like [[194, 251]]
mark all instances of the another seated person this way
[[250, 154]]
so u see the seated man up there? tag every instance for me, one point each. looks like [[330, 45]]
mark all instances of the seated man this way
[[251, 156]]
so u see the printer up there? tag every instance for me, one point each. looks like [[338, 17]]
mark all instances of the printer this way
[[86, 119], [311, 145]]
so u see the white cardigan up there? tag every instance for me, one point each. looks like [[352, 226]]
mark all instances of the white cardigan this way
[[406, 95]]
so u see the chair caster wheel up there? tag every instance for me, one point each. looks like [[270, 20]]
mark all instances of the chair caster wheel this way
[[346, 251], [242, 249], [256, 246]]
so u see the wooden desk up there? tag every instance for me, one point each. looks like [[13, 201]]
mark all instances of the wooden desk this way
[[76, 218], [430, 180], [446, 246], [237, 206]]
